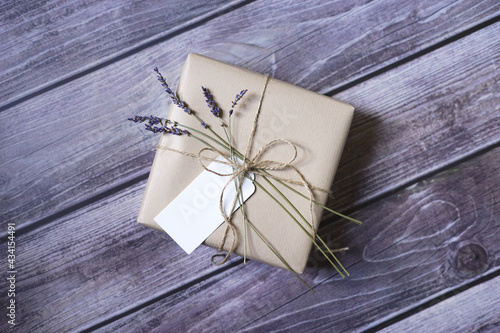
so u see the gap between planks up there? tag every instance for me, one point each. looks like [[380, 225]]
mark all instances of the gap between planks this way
[[429, 302], [147, 303], [414, 56], [224, 10]]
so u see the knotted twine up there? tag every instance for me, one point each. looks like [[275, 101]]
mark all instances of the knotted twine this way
[[255, 166]]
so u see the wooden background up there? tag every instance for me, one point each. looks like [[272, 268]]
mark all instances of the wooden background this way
[[421, 166]]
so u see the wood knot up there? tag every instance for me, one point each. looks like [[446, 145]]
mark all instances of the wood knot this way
[[471, 260]]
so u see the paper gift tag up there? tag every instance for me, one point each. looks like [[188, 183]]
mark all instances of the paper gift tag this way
[[194, 214]]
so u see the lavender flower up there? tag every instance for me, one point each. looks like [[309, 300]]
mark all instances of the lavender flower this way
[[210, 102], [172, 95], [163, 128], [237, 99], [153, 120], [138, 119]]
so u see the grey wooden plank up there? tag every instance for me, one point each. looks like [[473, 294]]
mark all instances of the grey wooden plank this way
[[474, 310], [94, 263], [428, 238], [77, 134], [44, 42]]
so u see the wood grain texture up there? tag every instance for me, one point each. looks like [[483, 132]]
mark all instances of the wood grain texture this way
[[44, 42], [474, 310], [94, 264], [420, 117], [50, 41], [79, 135], [341, 41], [425, 239]]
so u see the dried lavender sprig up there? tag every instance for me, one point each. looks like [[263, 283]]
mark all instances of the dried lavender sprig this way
[[172, 95], [183, 106], [153, 120], [138, 119], [179, 103], [167, 130], [233, 104], [187, 130], [210, 102], [237, 99]]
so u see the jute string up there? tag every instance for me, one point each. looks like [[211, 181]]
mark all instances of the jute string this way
[[251, 165]]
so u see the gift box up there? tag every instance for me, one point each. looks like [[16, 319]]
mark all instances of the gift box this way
[[316, 124]]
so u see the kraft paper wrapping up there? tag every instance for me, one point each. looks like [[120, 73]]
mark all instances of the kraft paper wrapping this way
[[316, 124]]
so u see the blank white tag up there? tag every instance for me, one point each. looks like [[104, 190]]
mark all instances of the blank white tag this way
[[195, 214]]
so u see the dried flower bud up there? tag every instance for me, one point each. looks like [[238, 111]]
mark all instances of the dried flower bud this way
[[169, 91], [210, 102]]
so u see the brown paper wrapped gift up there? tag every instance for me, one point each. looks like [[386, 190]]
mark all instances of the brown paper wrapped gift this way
[[317, 125]]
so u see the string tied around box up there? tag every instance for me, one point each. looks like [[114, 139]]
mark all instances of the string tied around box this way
[[244, 165]]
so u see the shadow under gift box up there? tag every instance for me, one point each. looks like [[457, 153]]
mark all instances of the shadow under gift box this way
[[316, 124]]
